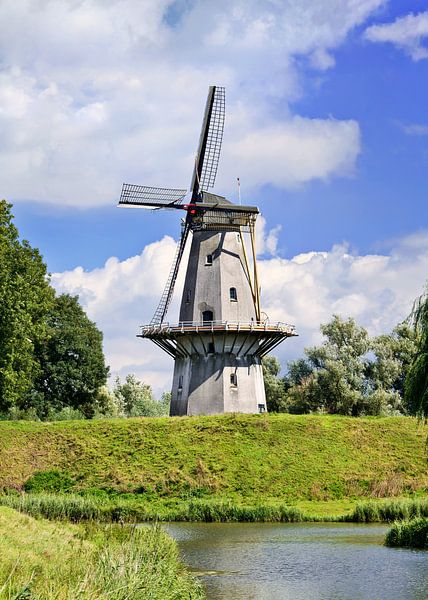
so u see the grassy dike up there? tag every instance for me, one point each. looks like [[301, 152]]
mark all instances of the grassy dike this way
[[40, 559], [229, 467]]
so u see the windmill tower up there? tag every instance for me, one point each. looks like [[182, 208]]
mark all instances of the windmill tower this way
[[220, 339]]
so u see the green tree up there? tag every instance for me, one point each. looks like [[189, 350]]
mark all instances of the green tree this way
[[298, 371], [351, 373], [25, 299], [393, 354], [274, 385], [416, 383], [339, 367], [72, 365], [137, 400]]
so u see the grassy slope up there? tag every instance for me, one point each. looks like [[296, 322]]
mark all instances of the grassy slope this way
[[58, 560], [245, 457]]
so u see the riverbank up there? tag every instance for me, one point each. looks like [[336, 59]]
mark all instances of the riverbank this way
[[243, 459], [88, 508], [62, 560]]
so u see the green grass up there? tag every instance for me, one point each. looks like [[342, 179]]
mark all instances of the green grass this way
[[62, 561], [389, 511], [410, 534], [243, 459], [77, 509]]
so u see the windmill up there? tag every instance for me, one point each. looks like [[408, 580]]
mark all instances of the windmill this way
[[221, 337]]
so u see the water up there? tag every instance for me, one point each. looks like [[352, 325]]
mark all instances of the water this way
[[253, 561]]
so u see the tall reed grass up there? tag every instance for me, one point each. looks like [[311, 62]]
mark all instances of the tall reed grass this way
[[75, 508], [388, 511], [60, 561], [409, 534]]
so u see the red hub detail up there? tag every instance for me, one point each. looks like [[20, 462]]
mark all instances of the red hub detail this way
[[191, 208]]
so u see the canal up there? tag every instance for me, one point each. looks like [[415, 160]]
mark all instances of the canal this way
[[316, 561]]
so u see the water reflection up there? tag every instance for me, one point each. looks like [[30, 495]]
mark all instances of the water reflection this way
[[264, 561]]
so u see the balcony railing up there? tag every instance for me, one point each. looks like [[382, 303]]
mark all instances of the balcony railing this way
[[212, 326]]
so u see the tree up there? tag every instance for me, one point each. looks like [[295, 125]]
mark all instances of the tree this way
[[72, 365], [136, 399], [25, 299], [339, 367], [274, 385], [351, 373], [393, 354], [416, 383]]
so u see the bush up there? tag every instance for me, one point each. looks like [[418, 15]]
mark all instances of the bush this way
[[49, 481]]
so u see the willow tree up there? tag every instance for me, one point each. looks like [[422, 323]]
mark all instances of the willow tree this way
[[416, 384]]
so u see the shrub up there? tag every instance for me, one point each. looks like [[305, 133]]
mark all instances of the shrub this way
[[49, 481]]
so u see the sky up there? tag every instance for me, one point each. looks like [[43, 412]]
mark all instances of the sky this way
[[326, 127]]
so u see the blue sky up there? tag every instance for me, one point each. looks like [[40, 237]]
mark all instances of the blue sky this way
[[326, 126]]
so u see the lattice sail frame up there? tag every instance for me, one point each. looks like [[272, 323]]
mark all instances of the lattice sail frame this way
[[214, 138], [150, 197]]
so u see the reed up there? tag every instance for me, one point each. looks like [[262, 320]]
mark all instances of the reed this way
[[409, 534], [388, 511], [70, 507], [117, 509], [47, 560], [77, 508]]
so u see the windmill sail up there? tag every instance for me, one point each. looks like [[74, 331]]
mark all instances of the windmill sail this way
[[150, 197], [210, 141], [165, 300]]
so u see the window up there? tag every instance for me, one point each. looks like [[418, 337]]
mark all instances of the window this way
[[209, 259], [211, 349], [262, 408], [233, 294], [180, 382], [238, 238], [233, 379], [188, 295], [207, 316]]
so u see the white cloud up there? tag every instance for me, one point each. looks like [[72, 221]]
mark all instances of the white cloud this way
[[120, 296], [295, 152], [415, 129], [266, 240], [408, 33], [95, 92], [377, 290]]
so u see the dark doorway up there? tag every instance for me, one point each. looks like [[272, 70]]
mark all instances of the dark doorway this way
[[207, 316]]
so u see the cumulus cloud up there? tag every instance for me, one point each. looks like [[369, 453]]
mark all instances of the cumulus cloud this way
[[122, 295], [408, 33], [294, 152], [376, 289], [94, 92]]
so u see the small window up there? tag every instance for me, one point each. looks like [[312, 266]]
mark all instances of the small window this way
[[238, 238], [233, 294], [262, 408], [233, 379], [188, 295], [207, 316], [210, 347], [180, 382], [209, 259]]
